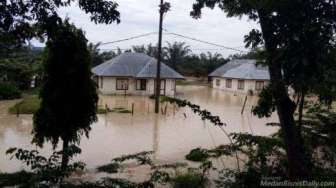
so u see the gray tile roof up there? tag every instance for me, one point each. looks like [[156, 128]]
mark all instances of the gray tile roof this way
[[246, 69], [134, 65]]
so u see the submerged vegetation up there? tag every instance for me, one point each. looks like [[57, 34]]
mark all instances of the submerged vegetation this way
[[48, 172], [264, 156]]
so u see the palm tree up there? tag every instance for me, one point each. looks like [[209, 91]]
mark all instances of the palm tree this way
[[176, 53], [210, 61]]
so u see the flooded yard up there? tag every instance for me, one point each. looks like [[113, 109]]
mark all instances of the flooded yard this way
[[171, 136]]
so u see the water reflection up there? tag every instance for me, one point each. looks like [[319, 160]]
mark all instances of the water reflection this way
[[171, 136]]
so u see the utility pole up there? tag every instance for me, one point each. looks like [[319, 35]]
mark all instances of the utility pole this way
[[164, 7]]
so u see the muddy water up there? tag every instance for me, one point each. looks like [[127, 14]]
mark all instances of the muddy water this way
[[171, 136]]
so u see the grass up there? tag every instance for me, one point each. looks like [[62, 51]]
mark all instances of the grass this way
[[31, 103], [101, 111], [121, 110], [182, 82]]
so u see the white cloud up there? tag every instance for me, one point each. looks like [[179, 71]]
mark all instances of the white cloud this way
[[138, 17]]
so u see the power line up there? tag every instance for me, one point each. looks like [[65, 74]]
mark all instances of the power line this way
[[130, 38], [193, 49], [202, 41], [222, 47]]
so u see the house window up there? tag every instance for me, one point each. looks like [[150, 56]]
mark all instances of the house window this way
[[228, 83], [122, 84], [241, 84], [141, 84], [163, 85], [217, 82], [101, 81], [259, 85]]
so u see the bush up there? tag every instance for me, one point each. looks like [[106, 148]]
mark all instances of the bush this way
[[17, 178], [189, 180], [9, 91], [197, 155]]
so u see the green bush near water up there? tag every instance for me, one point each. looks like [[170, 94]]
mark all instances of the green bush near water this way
[[197, 155], [189, 180], [12, 179], [9, 91]]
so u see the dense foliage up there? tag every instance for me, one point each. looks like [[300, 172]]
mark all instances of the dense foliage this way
[[98, 57], [21, 67], [298, 38], [22, 20], [68, 96], [9, 91], [44, 172]]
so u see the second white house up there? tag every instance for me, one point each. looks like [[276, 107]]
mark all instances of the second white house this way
[[241, 76], [134, 73]]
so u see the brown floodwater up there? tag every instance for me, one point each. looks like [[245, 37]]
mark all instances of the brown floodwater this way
[[170, 136]]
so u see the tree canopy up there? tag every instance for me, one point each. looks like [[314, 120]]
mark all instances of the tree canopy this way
[[298, 37], [68, 96], [22, 20]]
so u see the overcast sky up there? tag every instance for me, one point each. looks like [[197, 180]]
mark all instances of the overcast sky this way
[[139, 17]]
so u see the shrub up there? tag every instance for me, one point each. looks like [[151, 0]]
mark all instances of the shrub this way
[[18, 178], [9, 91], [189, 180], [197, 155]]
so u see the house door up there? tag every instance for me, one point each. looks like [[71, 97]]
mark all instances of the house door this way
[[163, 87]]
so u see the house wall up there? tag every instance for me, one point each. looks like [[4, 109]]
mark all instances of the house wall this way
[[108, 85], [249, 85]]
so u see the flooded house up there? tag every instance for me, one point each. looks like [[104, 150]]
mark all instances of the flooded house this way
[[134, 74], [240, 76]]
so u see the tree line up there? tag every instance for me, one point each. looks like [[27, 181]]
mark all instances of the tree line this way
[[177, 55]]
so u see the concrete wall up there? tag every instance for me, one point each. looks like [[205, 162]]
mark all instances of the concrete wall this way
[[249, 85], [108, 85]]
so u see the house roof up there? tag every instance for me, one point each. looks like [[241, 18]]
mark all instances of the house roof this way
[[136, 65], [246, 69]]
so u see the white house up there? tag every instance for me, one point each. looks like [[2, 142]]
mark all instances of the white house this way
[[134, 74], [241, 76]]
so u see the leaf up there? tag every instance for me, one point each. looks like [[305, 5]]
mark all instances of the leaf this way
[[10, 151]]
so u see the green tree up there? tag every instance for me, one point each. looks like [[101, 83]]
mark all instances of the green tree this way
[[20, 66], [150, 50], [176, 53], [23, 20], [68, 96], [98, 57], [211, 61], [297, 36]]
